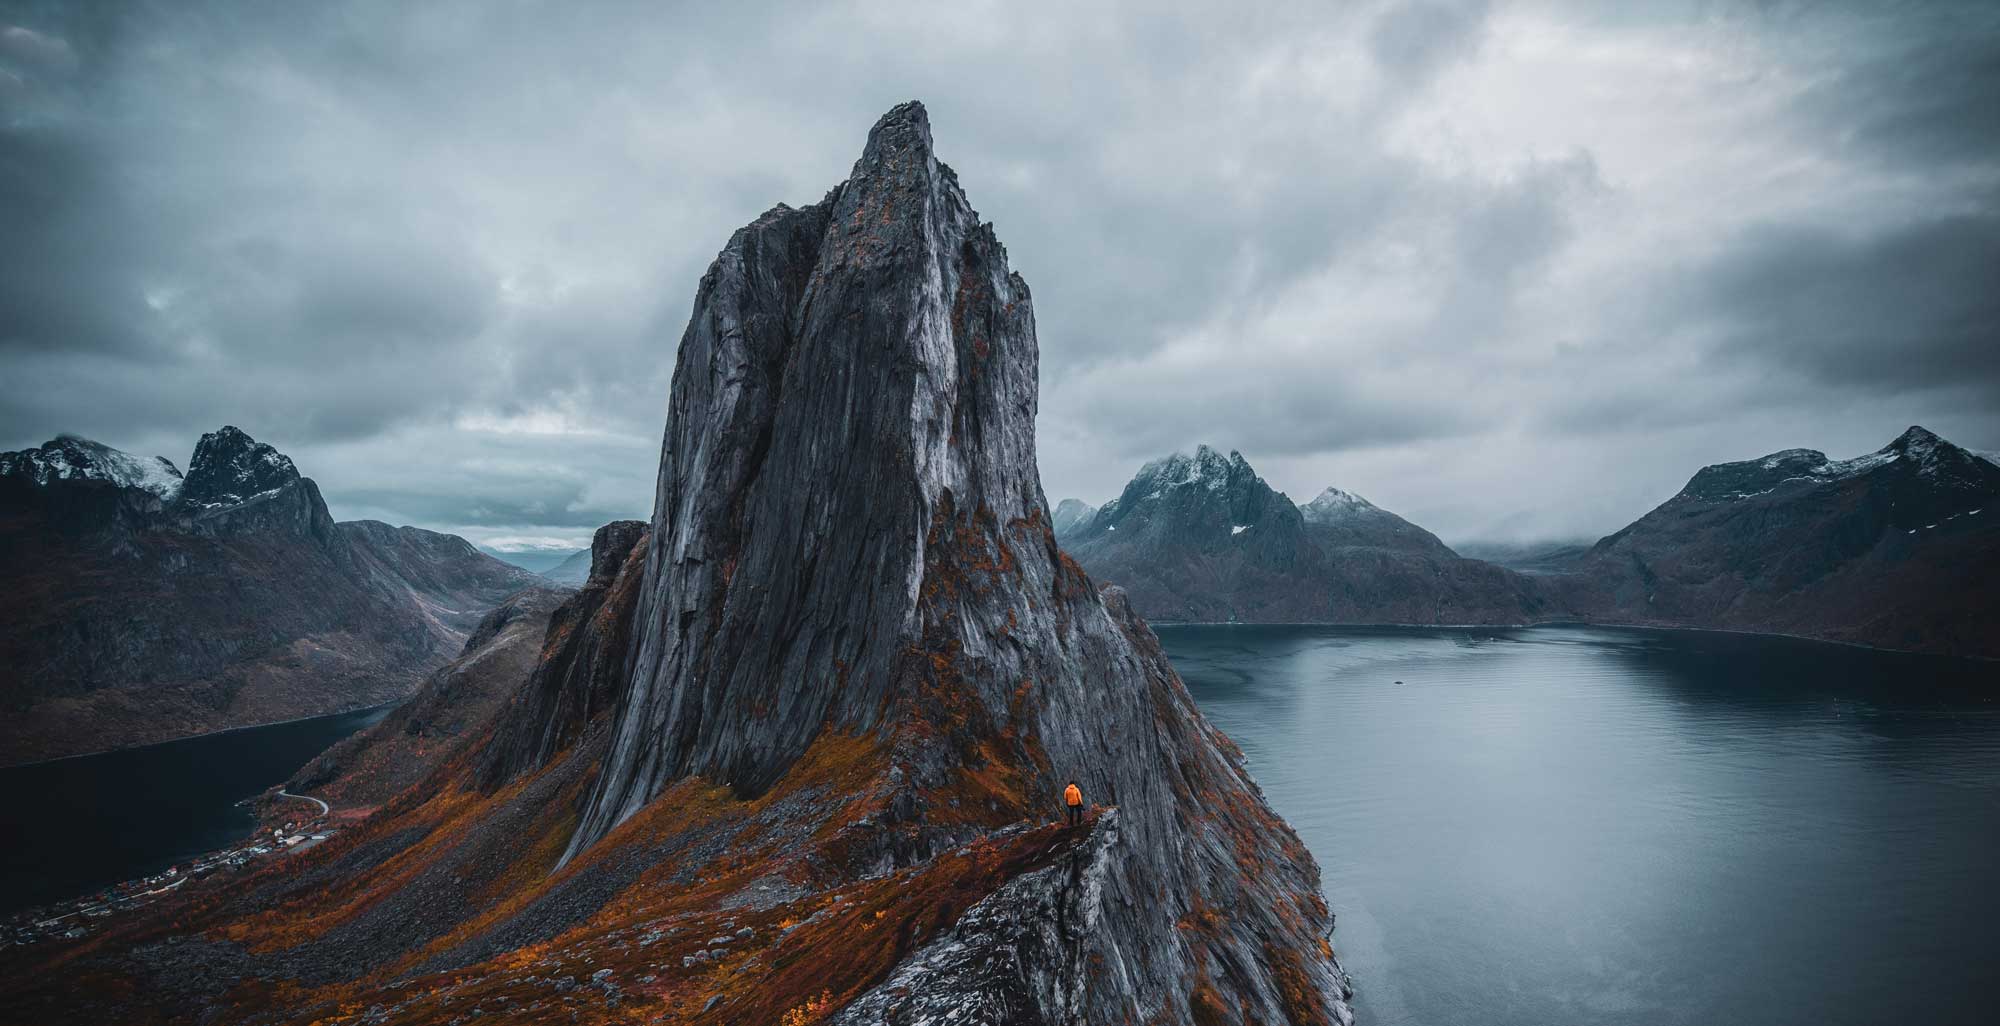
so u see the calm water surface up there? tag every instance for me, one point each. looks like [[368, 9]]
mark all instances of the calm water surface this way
[[77, 824], [1566, 825]]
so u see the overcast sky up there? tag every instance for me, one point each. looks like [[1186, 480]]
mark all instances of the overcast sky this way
[[1509, 269]]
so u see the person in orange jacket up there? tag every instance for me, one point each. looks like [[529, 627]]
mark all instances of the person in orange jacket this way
[[1073, 797]]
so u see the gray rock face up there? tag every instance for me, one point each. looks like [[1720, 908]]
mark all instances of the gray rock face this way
[[230, 467], [587, 642], [851, 537]]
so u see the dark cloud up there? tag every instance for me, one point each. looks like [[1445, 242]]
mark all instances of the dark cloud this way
[[1925, 98], [1475, 260], [1913, 307]]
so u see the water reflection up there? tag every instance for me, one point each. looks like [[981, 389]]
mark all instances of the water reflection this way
[[1591, 825]]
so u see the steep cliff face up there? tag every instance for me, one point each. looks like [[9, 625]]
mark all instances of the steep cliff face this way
[[140, 606], [1898, 548], [1199, 536], [794, 752], [851, 540]]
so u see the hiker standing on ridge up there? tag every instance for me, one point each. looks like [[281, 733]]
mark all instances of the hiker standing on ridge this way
[[1073, 797]]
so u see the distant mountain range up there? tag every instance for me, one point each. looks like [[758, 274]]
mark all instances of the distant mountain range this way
[[572, 571], [138, 604], [1897, 549], [539, 561], [1201, 537]]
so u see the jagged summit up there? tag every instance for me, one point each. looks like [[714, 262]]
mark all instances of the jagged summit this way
[[1201, 495], [230, 467], [874, 351], [1893, 548], [796, 749], [74, 458]]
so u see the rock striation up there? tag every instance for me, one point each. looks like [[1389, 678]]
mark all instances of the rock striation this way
[[794, 752], [875, 353], [141, 605]]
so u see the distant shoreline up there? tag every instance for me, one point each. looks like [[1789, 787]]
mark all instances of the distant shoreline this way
[[1577, 623], [383, 706]]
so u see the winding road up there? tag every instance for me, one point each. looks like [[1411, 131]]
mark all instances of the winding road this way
[[324, 808]]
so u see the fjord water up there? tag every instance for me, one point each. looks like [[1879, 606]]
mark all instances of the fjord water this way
[[1570, 825], [74, 825]]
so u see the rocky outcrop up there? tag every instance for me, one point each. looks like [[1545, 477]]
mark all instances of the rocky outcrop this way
[[140, 606], [1899, 548], [795, 751], [582, 671], [1200, 536], [874, 352]]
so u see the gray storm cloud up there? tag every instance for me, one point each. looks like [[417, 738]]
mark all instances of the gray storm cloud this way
[[1507, 268]]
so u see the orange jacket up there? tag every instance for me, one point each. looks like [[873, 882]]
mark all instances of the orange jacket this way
[[1072, 795]]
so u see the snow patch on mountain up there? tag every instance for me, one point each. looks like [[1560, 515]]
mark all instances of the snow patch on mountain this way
[[1932, 456], [1205, 465], [1334, 504], [72, 458]]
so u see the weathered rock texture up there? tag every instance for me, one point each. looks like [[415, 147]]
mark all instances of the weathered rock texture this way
[[138, 606], [851, 538], [1199, 536], [794, 752]]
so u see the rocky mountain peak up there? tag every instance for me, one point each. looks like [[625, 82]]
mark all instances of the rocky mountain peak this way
[[901, 135], [74, 458], [1936, 463], [875, 351], [230, 467]]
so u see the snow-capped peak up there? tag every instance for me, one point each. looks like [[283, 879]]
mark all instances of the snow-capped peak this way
[[1334, 504], [1933, 458], [1205, 465], [72, 458]]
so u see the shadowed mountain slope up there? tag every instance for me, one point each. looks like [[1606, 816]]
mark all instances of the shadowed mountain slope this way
[[1899, 548], [138, 606]]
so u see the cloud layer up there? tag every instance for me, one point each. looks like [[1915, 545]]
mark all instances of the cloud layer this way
[[1511, 269]]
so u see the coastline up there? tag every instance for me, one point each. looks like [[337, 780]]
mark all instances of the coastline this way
[[1578, 623], [384, 707]]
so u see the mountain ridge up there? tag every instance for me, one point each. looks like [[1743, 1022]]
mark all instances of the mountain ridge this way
[[142, 605], [1199, 536]]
